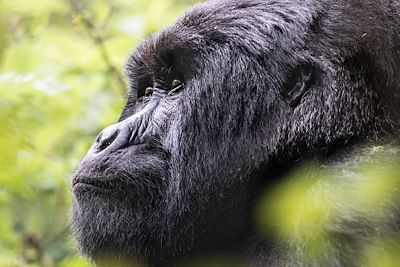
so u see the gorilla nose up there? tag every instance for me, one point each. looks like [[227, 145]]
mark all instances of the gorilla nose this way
[[127, 132], [105, 139], [111, 138]]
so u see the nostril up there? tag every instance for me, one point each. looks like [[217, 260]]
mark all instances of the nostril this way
[[106, 141], [99, 137]]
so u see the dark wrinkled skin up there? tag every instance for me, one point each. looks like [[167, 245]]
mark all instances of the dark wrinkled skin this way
[[267, 86]]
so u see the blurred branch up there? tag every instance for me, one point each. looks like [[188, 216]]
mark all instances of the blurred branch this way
[[89, 25]]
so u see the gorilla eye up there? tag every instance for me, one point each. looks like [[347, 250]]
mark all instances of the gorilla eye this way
[[176, 86], [148, 92], [176, 83]]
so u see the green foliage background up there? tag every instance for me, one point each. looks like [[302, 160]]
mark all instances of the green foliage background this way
[[61, 82]]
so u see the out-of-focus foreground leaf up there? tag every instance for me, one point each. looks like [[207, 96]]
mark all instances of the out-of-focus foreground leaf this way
[[332, 212]]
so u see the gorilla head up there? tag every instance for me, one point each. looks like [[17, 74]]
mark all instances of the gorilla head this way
[[221, 104]]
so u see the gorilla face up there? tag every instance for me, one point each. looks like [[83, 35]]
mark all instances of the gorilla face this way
[[226, 100]]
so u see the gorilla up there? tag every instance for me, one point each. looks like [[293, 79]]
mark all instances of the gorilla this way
[[222, 105]]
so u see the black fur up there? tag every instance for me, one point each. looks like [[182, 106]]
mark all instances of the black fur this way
[[267, 85]]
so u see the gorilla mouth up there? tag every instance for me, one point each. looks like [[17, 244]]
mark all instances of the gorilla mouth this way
[[91, 183], [86, 186]]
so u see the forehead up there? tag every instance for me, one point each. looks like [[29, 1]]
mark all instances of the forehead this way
[[256, 26], [232, 21]]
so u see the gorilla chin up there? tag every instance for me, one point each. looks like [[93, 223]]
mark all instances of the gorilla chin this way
[[221, 105], [112, 197]]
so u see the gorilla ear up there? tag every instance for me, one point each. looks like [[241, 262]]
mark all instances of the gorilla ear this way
[[298, 83]]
